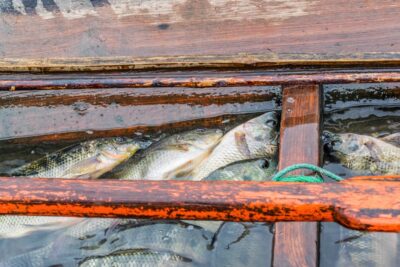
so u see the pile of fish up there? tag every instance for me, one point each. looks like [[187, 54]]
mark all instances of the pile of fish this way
[[246, 152], [362, 153]]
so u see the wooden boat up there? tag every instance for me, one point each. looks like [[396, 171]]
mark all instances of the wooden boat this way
[[159, 60]]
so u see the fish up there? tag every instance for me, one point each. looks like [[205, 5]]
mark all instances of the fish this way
[[87, 160], [15, 226], [373, 249], [393, 139], [185, 242], [256, 138], [173, 156], [362, 153], [141, 257], [252, 170]]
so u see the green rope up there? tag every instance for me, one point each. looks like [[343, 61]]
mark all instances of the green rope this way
[[281, 175]]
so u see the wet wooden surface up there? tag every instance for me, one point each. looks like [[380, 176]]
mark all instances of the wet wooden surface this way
[[258, 32], [198, 79], [343, 202], [296, 244], [35, 116]]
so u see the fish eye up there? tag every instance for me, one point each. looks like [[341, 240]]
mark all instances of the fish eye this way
[[271, 123], [265, 164]]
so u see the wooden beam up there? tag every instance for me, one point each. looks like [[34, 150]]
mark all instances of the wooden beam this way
[[55, 115], [343, 202], [296, 244], [197, 79], [199, 62], [286, 31]]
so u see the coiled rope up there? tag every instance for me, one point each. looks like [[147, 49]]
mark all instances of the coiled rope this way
[[281, 175]]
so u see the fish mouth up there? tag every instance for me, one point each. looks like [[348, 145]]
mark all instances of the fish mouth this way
[[330, 142]]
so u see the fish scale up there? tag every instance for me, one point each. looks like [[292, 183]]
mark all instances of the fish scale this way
[[89, 159], [368, 249], [172, 156], [136, 258], [253, 139]]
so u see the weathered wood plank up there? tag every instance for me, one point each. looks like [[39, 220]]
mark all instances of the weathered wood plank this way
[[34, 116], [198, 79], [343, 202], [275, 29], [296, 244], [198, 62]]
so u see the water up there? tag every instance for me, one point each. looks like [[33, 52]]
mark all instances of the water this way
[[75, 241], [363, 109]]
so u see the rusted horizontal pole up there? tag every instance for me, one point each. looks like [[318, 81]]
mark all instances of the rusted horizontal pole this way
[[362, 205], [212, 79]]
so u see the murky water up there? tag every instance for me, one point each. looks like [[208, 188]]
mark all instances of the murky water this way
[[90, 242], [347, 109]]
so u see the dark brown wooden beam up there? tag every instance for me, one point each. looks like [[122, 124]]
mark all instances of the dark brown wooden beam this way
[[197, 79], [343, 202], [54, 115], [296, 244]]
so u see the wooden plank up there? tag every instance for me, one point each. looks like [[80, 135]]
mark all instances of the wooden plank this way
[[296, 244], [343, 202], [36, 116], [234, 61], [197, 79], [275, 30]]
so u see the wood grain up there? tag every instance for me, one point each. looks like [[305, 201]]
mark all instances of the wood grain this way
[[36, 116], [343, 202], [325, 29], [296, 244]]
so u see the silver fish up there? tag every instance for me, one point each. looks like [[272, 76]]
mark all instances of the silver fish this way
[[253, 139], [173, 237], [14, 226], [173, 156], [252, 170], [89, 159], [136, 257], [363, 153], [372, 249]]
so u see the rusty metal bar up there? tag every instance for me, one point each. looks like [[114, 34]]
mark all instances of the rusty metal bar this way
[[198, 79], [343, 202], [296, 244]]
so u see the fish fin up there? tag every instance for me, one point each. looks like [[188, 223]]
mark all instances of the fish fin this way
[[241, 143], [186, 169], [393, 139], [375, 150], [85, 169], [183, 171]]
